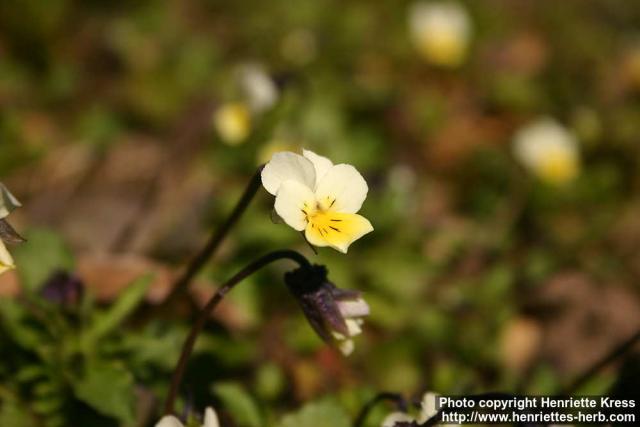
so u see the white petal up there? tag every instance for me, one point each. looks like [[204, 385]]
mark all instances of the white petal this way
[[346, 347], [292, 201], [353, 327], [169, 421], [285, 166], [357, 308], [210, 418], [320, 163], [427, 407], [7, 201], [6, 261], [342, 189], [396, 417]]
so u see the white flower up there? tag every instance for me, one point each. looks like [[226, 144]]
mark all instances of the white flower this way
[[232, 122], [548, 150], [259, 89], [315, 196], [428, 409], [441, 31], [7, 204], [210, 420]]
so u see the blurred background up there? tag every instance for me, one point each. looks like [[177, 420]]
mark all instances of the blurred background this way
[[500, 140]]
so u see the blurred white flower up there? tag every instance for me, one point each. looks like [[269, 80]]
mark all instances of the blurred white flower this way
[[210, 420], [259, 89], [7, 204], [548, 150], [441, 31], [232, 122], [315, 196]]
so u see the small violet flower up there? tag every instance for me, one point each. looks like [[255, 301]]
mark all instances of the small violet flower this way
[[548, 150], [210, 420], [315, 196], [7, 204], [335, 314], [441, 31]]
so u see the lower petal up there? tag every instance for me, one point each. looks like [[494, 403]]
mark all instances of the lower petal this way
[[6, 262], [337, 230]]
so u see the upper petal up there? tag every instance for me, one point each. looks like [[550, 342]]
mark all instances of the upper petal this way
[[7, 201], [169, 421], [287, 166], [320, 163], [293, 201], [342, 189]]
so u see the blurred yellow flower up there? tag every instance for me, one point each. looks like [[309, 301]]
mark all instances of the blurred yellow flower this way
[[441, 31], [314, 195], [210, 420], [548, 150], [232, 122]]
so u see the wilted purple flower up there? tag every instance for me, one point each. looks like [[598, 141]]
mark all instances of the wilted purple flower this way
[[335, 314], [62, 288]]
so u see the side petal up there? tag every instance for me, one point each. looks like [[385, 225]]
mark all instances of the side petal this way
[[342, 189], [169, 421], [336, 229], [320, 163], [6, 261], [287, 166], [7, 201], [293, 202]]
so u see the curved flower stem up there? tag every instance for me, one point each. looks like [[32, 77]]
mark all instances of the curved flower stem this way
[[182, 283], [187, 348]]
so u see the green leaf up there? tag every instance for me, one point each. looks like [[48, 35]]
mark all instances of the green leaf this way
[[106, 322], [317, 414], [109, 389], [239, 403], [13, 414], [18, 323], [43, 253]]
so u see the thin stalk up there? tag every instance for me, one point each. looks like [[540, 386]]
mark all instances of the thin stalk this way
[[187, 348], [182, 283], [608, 358]]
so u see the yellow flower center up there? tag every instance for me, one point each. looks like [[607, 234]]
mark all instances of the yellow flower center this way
[[559, 168]]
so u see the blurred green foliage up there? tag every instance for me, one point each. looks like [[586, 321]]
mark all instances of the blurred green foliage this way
[[464, 243]]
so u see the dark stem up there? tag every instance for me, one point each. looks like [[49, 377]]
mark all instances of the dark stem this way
[[396, 398], [182, 283], [600, 364], [187, 348]]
